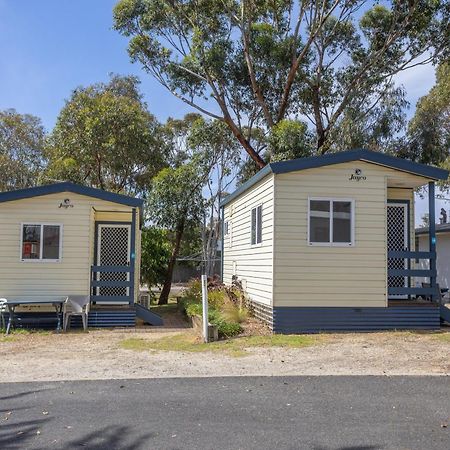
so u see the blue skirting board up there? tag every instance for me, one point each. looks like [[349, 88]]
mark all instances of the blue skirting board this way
[[97, 319], [291, 320]]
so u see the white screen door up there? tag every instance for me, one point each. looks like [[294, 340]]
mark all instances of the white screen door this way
[[397, 241], [114, 248]]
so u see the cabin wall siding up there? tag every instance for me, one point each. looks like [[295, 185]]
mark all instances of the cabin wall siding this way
[[326, 276], [253, 265], [47, 280]]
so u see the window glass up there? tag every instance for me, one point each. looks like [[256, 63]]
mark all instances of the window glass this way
[[342, 222], [41, 242], [31, 241], [256, 227], [259, 224], [50, 244], [319, 227], [253, 229]]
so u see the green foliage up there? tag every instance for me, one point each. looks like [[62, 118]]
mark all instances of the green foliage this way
[[429, 129], [222, 311], [22, 139], [106, 138], [234, 313], [155, 255], [225, 329], [194, 309], [176, 196], [290, 139], [380, 127], [263, 62]]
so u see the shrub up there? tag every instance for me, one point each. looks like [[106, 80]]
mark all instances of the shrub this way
[[194, 309], [194, 290], [217, 298], [226, 329], [234, 313], [226, 306]]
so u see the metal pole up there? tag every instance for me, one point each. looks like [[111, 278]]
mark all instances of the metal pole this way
[[205, 307], [432, 235]]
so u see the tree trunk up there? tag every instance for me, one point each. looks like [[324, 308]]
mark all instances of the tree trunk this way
[[244, 142], [164, 297]]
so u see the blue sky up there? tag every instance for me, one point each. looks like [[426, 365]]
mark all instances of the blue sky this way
[[49, 47]]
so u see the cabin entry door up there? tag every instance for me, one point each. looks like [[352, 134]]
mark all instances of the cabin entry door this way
[[397, 241], [113, 249]]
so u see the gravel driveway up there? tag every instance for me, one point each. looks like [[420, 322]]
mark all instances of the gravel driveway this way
[[98, 355]]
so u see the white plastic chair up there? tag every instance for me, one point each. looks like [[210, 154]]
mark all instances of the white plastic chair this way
[[3, 303], [76, 305]]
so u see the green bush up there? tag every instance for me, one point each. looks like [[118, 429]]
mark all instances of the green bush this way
[[194, 289], [194, 309], [233, 313], [227, 329], [222, 312], [217, 298]]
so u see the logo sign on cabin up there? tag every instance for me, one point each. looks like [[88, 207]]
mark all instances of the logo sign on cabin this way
[[66, 203], [357, 175]]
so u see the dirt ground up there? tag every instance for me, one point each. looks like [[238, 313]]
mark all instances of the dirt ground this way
[[98, 355]]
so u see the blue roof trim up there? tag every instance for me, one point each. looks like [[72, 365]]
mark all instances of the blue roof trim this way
[[404, 165], [248, 184], [312, 162], [70, 187]]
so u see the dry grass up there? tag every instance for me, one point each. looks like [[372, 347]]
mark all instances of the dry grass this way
[[234, 347], [443, 337]]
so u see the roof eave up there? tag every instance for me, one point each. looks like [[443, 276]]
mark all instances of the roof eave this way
[[404, 165], [56, 188], [266, 170]]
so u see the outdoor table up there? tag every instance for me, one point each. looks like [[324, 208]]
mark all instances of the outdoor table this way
[[12, 304]]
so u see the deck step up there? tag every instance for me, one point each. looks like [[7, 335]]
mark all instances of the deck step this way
[[148, 316]]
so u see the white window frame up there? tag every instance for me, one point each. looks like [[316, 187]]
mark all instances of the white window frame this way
[[41, 245], [256, 244], [352, 222], [227, 233]]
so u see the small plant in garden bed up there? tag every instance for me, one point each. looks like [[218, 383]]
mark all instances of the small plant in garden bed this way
[[226, 306]]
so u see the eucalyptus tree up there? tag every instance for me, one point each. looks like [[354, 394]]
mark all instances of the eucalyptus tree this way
[[175, 203], [428, 135], [213, 142], [255, 63], [22, 140], [429, 129], [105, 137]]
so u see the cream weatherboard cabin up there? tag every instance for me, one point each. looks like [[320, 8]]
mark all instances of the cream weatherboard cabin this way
[[65, 239], [327, 243]]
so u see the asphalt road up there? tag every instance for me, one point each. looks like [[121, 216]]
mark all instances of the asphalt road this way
[[345, 413]]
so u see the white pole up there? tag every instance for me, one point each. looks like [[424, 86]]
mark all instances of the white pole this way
[[205, 307]]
